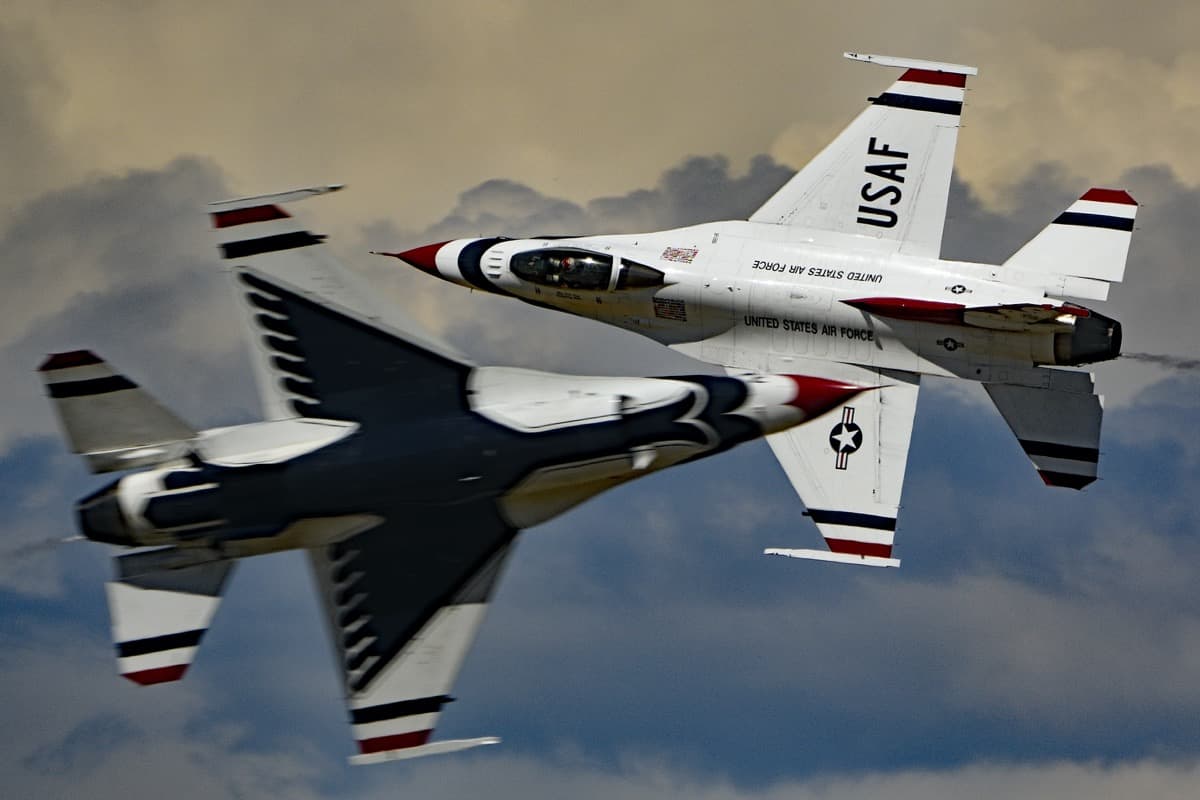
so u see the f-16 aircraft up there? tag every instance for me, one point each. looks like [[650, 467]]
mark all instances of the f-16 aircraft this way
[[402, 470], [839, 274]]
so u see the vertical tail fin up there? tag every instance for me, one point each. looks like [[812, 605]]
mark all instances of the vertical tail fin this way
[[106, 417], [1084, 249], [887, 175]]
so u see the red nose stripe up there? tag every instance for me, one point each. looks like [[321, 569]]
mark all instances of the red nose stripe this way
[[424, 257], [815, 396]]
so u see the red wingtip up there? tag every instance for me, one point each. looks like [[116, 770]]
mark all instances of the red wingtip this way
[[396, 741], [1109, 196], [1065, 480], [815, 396], [149, 677], [424, 257], [856, 548], [935, 78], [75, 358]]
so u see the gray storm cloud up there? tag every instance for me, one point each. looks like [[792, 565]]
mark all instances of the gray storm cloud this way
[[1070, 620], [1039, 644]]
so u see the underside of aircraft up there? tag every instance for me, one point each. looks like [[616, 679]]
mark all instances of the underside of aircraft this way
[[839, 274], [404, 471]]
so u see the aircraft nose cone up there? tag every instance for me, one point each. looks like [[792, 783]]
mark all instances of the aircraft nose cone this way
[[423, 257], [815, 396]]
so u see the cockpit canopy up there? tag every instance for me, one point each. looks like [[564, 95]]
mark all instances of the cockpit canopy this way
[[569, 268]]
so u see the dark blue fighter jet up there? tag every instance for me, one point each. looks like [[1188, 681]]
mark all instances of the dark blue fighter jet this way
[[403, 470]]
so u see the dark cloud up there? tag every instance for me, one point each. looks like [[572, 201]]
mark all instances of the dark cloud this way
[[1021, 627], [502, 205], [1155, 301], [85, 746], [495, 329], [1024, 619], [37, 478], [701, 189], [1022, 624], [122, 265], [30, 94]]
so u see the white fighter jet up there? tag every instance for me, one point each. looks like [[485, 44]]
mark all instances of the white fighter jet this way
[[839, 274], [404, 472]]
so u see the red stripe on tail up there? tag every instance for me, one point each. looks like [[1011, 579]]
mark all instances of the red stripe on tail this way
[[244, 216], [75, 358], [1109, 196], [935, 78]]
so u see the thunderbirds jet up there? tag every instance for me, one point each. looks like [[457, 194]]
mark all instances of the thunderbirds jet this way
[[402, 470], [839, 275]]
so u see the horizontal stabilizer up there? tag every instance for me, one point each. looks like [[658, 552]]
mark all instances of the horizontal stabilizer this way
[[159, 616], [1058, 427], [839, 558], [1082, 249], [109, 419]]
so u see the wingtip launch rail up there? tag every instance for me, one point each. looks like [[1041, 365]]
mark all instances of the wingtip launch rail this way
[[912, 63]]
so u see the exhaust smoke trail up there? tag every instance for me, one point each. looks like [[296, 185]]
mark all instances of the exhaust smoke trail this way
[[1173, 362], [33, 549]]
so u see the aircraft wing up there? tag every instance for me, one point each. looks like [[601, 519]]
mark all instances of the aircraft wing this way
[[260, 239], [404, 601], [849, 468], [887, 175]]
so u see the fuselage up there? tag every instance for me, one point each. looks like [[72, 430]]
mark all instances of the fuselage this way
[[760, 296], [535, 443]]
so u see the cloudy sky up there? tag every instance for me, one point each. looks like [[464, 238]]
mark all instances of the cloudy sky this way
[[1035, 642]]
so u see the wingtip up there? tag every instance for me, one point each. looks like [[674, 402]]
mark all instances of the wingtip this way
[[71, 358], [289, 196], [1102, 195], [150, 677], [912, 63], [420, 751], [1065, 480], [833, 558]]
